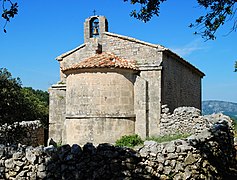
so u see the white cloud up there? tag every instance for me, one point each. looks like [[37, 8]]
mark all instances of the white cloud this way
[[189, 48]]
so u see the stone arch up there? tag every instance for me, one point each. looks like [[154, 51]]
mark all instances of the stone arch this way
[[102, 26], [94, 27]]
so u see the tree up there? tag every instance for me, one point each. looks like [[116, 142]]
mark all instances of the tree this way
[[218, 12], [235, 66], [21, 104], [148, 9], [36, 104], [11, 101], [9, 10]]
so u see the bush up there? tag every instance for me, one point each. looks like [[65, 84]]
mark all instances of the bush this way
[[234, 121], [129, 141]]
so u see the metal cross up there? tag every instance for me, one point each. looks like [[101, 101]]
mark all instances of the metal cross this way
[[94, 12]]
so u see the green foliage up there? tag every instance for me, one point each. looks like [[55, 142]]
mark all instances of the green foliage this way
[[59, 144], [167, 138], [61, 82], [134, 140], [218, 12], [235, 126], [37, 104], [10, 9], [129, 141], [235, 66], [148, 9], [11, 99], [43, 96], [21, 104]]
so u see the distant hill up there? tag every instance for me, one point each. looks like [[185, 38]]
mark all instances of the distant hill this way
[[227, 108]]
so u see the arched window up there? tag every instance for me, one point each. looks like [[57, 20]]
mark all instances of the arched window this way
[[94, 27]]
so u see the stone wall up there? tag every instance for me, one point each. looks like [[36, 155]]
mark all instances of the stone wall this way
[[103, 27], [148, 58], [57, 111], [100, 92], [99, 106], [162, 77], [207, 155], [26, 132], [181, 86], [97, 129], [187, 120], [145, 54]]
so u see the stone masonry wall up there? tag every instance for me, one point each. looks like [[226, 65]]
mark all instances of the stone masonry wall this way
[[187, 120], [99, 106], [180, 85], [100, 92], [57, 111], [148, 58], [25, 132], [207, 155], [144, 53]]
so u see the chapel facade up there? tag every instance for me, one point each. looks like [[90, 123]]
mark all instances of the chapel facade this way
[[113, 85]]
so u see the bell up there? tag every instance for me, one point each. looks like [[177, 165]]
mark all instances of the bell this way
[[95, 31]]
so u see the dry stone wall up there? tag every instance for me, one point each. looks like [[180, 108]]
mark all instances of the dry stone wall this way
[[209, 154], [187, 120], [25, 132]]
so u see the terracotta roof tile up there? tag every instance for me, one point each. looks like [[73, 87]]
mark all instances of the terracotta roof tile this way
[[103, 60]]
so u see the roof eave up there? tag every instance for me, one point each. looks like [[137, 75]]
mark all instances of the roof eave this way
[[60, 58], [134, 40], [97, 68], [186, 63]]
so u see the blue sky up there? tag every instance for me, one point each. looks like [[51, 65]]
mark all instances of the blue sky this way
[[45, 29]]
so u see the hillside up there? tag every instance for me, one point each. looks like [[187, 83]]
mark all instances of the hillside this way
[[227, 108]]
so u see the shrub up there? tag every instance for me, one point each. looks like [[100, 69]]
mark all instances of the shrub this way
[[234, 123], [129, 141]]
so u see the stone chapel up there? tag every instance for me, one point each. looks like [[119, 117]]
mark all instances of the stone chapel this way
[[114, 85]]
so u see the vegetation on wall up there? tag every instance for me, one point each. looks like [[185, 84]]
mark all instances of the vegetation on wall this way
[[129, 141], [235, 127], [135, 140], [167, 138]]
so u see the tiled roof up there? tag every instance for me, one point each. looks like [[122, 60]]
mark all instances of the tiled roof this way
[[103, 60]]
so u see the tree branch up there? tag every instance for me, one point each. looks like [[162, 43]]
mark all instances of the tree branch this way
[[8, 12]]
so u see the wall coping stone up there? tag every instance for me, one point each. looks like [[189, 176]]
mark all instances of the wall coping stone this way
[[58, 86]]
